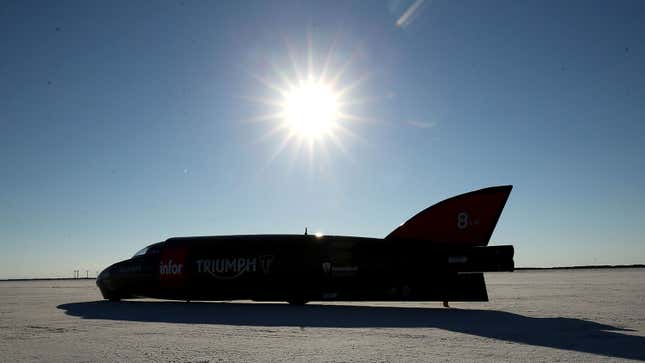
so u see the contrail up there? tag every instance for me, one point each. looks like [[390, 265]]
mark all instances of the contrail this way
[[406, 18]]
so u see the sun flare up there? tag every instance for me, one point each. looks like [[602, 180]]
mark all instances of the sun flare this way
[[310, 109], [311, 105]]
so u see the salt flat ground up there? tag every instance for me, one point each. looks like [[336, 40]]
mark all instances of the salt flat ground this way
[[581, 315]]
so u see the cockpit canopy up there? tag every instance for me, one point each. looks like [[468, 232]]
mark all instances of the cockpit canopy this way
[[152, 249]]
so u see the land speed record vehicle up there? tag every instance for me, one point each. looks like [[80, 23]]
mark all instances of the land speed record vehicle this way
[[440, 254]]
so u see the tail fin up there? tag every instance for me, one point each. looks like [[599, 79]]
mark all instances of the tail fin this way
[[467, 219]]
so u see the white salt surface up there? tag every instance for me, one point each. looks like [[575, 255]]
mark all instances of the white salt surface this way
[[582, 315]]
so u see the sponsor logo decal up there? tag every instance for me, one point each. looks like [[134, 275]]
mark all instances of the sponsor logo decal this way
[[266, 262], [457, 259], [338, 271], [344, 271], [326, 266], [129, 269], [228, 268], [172, 265], [170, 268]]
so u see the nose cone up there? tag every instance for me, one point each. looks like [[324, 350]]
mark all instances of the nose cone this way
[[105, 284], [100, 279]]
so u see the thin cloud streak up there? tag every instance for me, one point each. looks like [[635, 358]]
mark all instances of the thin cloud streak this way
[[407, 17]]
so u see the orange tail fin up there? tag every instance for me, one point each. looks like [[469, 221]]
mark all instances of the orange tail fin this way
[[467, 219]]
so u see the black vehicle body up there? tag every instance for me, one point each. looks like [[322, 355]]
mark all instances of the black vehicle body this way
[[409, 264]]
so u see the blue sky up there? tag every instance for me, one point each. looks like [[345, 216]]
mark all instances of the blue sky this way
[[125, 123]]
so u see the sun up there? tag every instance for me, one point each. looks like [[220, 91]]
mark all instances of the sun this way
[[311, 109]]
